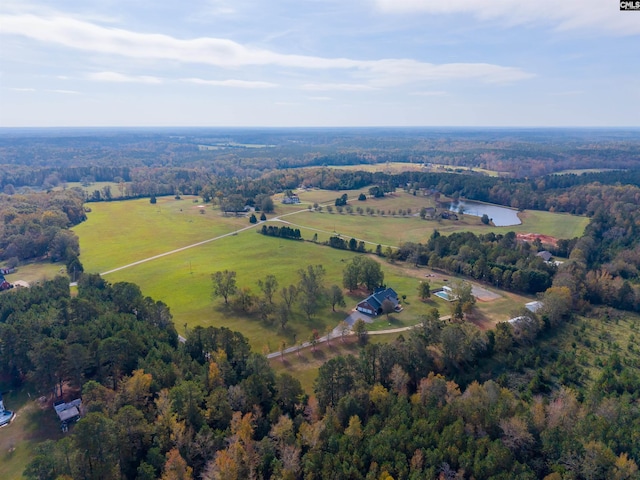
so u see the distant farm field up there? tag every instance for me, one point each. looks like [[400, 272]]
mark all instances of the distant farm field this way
[[399, 167], [385, 228]]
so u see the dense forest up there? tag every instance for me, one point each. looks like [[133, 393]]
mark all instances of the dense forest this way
[[35, 225], [425, 406]]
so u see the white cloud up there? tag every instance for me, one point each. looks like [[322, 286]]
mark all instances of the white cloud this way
[[320, 99], [398, 72], [121, 78], [97, 39], [20, 89], [565, 15], [346, 87], [230, 83]]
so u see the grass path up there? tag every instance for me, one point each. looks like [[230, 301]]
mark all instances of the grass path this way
[[197, 244]]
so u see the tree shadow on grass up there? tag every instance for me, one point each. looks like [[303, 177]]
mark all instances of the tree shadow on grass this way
[[319, 355], [479, 319], [42, 424]]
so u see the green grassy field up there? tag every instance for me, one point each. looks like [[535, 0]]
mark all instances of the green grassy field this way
[[37, 272], [394, 230], [118, 233], [559, 225], [89, 189], [182, 279], [326, 196]]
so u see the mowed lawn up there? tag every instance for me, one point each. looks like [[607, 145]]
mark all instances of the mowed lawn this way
[[37, 272], [118, 233]]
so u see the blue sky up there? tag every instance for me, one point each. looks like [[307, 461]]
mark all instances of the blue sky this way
[[319, 63]]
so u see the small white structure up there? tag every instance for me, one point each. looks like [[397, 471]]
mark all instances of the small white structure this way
[[449, 291], [6, 416], [533, 307], [519, 320]]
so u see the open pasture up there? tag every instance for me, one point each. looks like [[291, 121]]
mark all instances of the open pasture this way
[[387, 167], [373, 229], [316, 195], [394, 230], [558, 225], [183, 281], [118, 233], [92, 187]]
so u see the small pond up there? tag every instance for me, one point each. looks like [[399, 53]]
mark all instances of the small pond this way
[[501, 216]]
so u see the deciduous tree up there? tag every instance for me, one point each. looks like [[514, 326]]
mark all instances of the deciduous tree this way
[[336, 297], [224, 284], [312, 292], [424, 290], [268, 286]]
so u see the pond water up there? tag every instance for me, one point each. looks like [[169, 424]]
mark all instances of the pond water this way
[[501, 216]]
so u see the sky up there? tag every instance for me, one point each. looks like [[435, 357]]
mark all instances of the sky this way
[[319, 63]]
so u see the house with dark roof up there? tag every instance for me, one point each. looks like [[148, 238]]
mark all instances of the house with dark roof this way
[[372, 305], [544, 255]]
